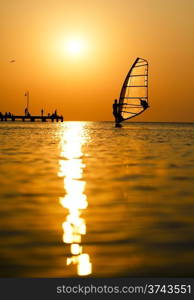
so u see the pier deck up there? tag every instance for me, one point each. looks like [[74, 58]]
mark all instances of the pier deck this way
[[31, 118]]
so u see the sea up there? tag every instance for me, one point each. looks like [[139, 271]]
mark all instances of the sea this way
[[86, 199]]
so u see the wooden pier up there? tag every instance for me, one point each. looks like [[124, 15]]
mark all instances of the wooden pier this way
[[30, 118]]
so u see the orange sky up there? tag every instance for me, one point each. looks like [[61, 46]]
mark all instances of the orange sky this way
[[114, 33]]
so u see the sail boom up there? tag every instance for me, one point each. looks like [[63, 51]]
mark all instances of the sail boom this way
[[134, 115], [132, 105]]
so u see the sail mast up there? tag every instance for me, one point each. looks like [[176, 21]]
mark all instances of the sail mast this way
[[124, 87]]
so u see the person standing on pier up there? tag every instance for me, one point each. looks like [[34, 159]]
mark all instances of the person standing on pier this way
[[26, 111], [42, 112]]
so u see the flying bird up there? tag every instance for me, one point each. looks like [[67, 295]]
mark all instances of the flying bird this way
[[12, 61]]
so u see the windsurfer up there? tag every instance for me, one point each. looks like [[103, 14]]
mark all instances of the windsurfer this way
[[116, 112], [115, 109]]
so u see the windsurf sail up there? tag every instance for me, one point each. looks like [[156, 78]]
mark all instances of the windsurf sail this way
[[134, 93]]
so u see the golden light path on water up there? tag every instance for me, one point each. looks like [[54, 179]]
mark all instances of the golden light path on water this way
[[71, 169]]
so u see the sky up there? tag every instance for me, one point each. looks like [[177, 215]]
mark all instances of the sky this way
[[73, 56]]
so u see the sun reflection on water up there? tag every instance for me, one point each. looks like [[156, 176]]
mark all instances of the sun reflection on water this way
[[71, 168]]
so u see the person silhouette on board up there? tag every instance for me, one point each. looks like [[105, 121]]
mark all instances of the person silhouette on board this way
[[116, 112], [115, 109]]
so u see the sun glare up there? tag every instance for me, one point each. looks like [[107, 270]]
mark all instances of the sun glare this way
[[75, 46]]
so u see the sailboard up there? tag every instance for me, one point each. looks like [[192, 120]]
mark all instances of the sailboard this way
[[133, 98]]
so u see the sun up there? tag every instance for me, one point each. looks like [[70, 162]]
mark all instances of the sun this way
[[75, 46]]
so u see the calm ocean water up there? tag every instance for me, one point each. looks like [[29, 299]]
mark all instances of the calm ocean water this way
[[88, 199]]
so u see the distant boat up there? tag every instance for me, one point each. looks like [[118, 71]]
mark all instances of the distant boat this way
[[134, 93]]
